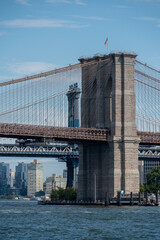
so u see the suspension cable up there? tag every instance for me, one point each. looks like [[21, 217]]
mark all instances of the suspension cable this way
[[59, 70], [29, 105]]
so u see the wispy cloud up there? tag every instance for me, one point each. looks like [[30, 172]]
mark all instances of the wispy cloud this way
[[121, 6], [40, 23], [59, 1], [4, 78], [2, 33], [92, 18], [19, 68], [78, 2], [149, 1], [23, 2], [151, 19], [154, 58]]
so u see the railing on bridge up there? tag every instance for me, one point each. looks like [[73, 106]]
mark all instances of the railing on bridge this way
[[58, 133], [68, 133], [149, 137]]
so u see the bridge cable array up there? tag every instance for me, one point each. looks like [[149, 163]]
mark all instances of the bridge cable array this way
[[42, 99], [147, 89]]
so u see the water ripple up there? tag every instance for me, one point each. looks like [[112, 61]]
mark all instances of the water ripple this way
[[27, 220]]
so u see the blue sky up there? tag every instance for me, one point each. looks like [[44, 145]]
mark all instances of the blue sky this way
[[40, 35]]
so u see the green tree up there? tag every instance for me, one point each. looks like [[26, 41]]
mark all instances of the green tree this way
[[68, 194], [54, 195], [40, 193], [61, 193], [142, 189], [153, 180]]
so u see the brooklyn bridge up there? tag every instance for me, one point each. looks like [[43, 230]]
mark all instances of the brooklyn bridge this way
[[106, 104]]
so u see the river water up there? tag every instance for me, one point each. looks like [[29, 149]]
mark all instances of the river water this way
[[28, 220]]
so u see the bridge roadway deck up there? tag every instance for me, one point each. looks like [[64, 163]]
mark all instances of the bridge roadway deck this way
[[68, 133], [58, 133]]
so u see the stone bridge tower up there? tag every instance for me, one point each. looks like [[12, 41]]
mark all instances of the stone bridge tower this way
[[108, 101]]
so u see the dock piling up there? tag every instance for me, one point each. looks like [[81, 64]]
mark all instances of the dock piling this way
[[131, 199], [119, 199], [107, 199]]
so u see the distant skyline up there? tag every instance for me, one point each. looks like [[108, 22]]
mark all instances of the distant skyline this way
[[37, 36], [50, 165]]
